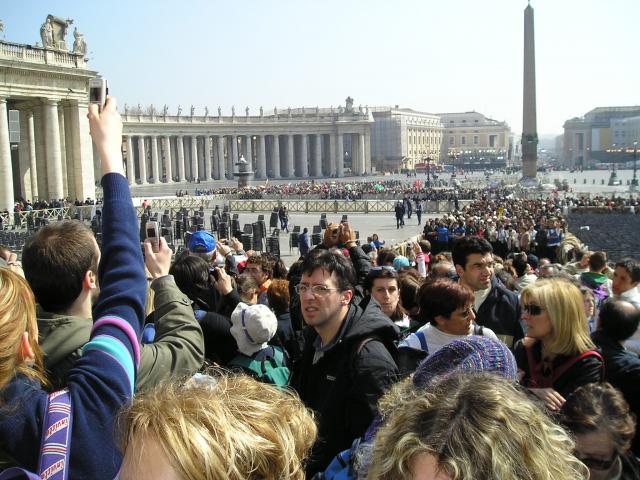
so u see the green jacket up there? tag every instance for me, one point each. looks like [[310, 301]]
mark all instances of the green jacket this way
[[177, 350]]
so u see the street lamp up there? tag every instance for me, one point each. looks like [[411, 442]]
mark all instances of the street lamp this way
[[428, 160], [634, 182]]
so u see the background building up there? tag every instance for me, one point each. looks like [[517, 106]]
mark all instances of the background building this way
[[603, 135], [402, 138], [475, 142]]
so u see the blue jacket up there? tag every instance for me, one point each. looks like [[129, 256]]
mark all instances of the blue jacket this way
[[102, 380]]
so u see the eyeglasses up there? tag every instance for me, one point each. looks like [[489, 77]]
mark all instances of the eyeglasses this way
[[597, 464], [316, 290], [532, 309]]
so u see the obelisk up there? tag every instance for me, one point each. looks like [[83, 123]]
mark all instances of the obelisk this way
[[529, 130]]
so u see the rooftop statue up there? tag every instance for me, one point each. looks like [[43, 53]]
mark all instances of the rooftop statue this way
[[179, 110], [193, 110], [261, 111], [349, 105], [46, 34], [165, 110], [219, 111], [79, 45], [206, 111], [1, 26], [126, 109], [246, 111], [233, 110]]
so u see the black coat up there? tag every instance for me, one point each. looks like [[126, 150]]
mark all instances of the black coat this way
[[622, 370], [501, 313], [343, 387], [585, 370]]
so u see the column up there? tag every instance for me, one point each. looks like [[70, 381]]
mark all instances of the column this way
[[166, 148], [83, 175], [54, 159], [317, 170], [131, 172], [63, 151], [340, 156], [249, 151], [6, 171], [23, 157], [142, 161], [290, 172], [180, 149], [155, 167], [304, 162], [41, 151], [207, 158], [234, 156], [219, 171], [262, 158], [70, 162], [367, 152], [362, 163], [275, 157], [194, 157], [32, 156], [332, 155]]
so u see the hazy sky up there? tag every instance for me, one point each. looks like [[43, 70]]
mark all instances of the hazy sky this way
[[430, 55]]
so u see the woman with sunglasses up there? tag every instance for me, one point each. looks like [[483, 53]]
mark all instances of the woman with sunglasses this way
[[557, 355], [599, 418]]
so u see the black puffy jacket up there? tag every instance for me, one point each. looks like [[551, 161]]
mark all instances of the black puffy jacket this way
[[343, 387]]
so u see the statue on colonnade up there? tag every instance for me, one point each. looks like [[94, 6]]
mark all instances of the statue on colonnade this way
[[246, 111], [261, 111], [165, 110], [206, 111], [46, 33], [349, 105], [79, 45], [179, 110], [219, 111]]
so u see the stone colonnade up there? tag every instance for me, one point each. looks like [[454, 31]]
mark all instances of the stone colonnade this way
[[55, 155], [178, 149]]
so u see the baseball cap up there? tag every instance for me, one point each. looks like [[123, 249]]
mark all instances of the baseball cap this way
[[202, 242]]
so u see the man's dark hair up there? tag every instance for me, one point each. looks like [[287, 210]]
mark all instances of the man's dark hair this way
[[520, 264], [262, 261], [55, 261], [632, 266], [385, 257], [618, 319], [191, 274], [331, 261], [468, 246], [597, 261]]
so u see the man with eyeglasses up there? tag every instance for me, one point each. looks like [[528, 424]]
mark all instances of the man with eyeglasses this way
[[346, 364], [496, 307]]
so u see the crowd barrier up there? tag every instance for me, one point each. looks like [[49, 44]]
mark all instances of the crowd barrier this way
[[337, 206]]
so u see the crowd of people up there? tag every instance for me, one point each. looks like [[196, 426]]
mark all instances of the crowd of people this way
[[354, 362]]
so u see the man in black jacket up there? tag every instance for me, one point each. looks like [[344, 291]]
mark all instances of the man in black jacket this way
[[496, 307], [617, 321], [346, 364]]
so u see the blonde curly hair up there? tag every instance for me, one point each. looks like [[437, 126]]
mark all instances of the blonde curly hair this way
[[231, 427], [476, 426]]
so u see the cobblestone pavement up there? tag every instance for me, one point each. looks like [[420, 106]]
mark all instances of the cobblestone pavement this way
[[618, 234]]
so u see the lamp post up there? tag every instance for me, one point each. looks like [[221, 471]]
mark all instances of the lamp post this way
[[428, 160]]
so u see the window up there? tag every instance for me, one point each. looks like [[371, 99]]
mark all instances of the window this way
[[450, 140], [493, 140], [463, 140], [475, 139]]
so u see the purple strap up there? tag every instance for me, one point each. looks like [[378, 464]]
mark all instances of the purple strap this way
[[56, 437], [126, 328]]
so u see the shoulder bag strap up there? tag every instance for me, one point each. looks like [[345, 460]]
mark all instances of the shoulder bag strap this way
[[56, 437], [573, 360]]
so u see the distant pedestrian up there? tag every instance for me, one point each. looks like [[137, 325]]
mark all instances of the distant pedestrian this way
[[419, 211], [399, 215]]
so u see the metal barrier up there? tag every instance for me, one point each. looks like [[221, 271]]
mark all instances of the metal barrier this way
[[21, 219], [336, 206]]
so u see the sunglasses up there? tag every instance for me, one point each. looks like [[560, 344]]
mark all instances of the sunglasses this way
[[532, 309]]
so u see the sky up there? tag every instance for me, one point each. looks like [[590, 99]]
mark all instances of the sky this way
[[430, 55]]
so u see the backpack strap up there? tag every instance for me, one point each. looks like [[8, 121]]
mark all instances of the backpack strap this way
[[56, 437], [573, 360], [423, 341]]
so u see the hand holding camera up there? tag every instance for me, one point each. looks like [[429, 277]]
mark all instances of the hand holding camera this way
[[106, 131], [158, 263], [221, 281]]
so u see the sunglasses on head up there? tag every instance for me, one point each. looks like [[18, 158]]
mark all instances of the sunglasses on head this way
[[532, 309]]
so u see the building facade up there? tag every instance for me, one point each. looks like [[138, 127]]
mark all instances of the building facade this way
[[602, 135], [46, 90], [292, 143], [402, 138], [473, 141]]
